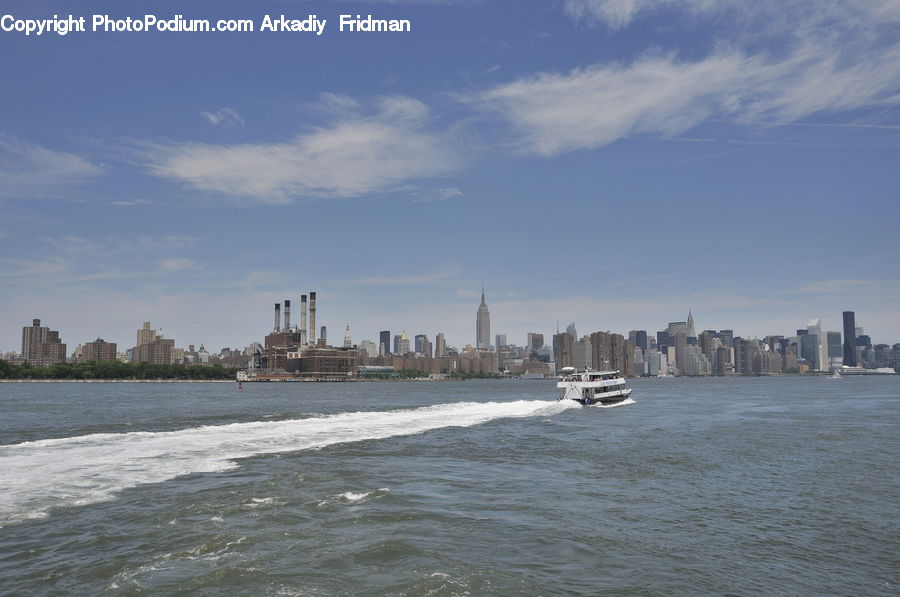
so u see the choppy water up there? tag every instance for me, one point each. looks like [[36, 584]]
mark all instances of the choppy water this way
[[706, 486]]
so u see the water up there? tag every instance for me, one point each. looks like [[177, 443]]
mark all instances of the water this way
[[701, 486]]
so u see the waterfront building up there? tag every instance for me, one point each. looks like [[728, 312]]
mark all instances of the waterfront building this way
[[403, 346], [640, 339], [601, 351], [41, 346], [534, 342], [582, 358], [99, 350], [161, 351], [820, 360], [32, 338], [369, 348], [680, 350], [145, 335], [483, 325], [500, 341], [619, 360], [563, 350], [850, 339]]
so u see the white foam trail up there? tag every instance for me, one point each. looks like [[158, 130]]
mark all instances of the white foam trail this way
[[38, 476]]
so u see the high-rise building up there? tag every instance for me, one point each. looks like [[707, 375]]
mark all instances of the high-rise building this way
[[534, 343], [850, 339], [483, 325], [440, 345], [403, 344], [563, 350], [369, 348], [145, 335], [384, 342], [814, 328], [421, 343], [99, 350], [32, 338], [570, 329], [348, 341], [161, 351], [41, 346], [601, 351], [500, 341], [582, 358], [640, 339]]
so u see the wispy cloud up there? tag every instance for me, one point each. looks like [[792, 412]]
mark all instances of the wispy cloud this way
[[590, 107], [179, 264], [131, 202], [883, 288], [435, 195], [818, 58], [29, 170], [426, 278], [351, 156], [224, 117]]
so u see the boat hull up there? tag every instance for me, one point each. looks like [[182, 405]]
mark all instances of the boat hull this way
[[613, 398]]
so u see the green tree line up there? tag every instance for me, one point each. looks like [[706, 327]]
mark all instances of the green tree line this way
[[114, 370]]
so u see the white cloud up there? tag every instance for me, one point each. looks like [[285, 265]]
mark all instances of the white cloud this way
[[29, 170], [352, 156], [660, 94], [224, 116]]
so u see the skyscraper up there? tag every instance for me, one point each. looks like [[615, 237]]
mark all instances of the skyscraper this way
[[500, 341], [533, 343], [145, 335], [483, 325], [850, 338], [403, 344], [32, 337], [384, 342], [440, 345]]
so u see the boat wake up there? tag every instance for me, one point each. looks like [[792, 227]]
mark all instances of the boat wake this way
[[36, 477]]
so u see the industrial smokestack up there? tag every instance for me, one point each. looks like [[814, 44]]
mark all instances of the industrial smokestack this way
[[287, 315], [312, 318], [277, 317], [302, 320]]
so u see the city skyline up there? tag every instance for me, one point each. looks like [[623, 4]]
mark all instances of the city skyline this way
[[631, 161], [147, 333]]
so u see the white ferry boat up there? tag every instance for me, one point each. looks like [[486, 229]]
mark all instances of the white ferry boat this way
[[591, 387]]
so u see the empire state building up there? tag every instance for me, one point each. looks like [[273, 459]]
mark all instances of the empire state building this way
[[483, 325]]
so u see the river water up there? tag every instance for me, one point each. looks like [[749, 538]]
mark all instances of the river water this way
[[744, 486]]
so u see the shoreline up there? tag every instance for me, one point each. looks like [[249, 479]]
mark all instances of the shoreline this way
[[117, 381]]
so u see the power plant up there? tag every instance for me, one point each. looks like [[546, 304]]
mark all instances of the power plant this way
[[294, 353]]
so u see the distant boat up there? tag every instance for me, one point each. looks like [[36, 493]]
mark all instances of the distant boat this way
[[591, 387], [837, 375]]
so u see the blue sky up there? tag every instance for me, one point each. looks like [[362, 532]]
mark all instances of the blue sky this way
[[612, 162]]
